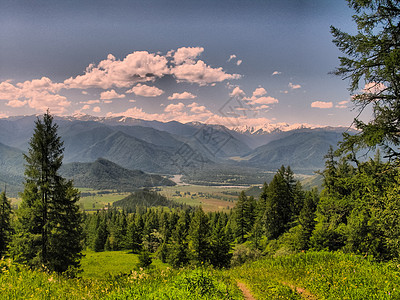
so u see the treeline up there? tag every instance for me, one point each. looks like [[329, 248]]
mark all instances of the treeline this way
[[358, 211], [145, 198], [182, 236]]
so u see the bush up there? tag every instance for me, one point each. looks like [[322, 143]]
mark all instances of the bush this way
[[145, 259], [244, 253]]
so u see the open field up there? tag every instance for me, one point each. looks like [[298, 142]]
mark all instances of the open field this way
[[211, 198], [98, 265], [98, 199]]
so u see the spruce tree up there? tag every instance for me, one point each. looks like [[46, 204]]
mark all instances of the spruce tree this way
[[49, 222], [199, 238], [5, 223]]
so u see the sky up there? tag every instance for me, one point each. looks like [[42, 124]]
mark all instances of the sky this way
[[235, 63]]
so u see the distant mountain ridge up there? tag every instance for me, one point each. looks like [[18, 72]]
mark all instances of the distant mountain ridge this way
[[104, 174], [173, 147]]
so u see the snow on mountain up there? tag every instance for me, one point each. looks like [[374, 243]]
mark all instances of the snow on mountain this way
[[271, 128]]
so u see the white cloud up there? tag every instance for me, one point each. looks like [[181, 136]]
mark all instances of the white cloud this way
[[107, 95], [276, 73], [374, 88], [263, 100], [146, 91], [187, 54], [321, 104], [232, 57], [97, 109], [258, 92], [90, 102], [342, 104], [200, 73], [198, 109], [237, 92], [16, 103], [294, 86], [181, 96], [139, 66], [175, 108]]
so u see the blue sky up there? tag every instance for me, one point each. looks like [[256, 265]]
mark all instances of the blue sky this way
[[226, 62]]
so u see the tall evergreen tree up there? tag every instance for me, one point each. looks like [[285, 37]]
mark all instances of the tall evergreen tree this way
[[49, 221], [280, 203], [199, 238], [371, 60], [5, 223]]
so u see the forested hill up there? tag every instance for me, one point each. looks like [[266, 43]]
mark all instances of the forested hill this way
[[144, 198], [104, 174]]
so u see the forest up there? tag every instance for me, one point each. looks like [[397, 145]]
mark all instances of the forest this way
[[338, 243]]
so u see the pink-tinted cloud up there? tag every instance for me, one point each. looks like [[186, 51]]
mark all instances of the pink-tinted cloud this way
[[187, 54], [90, 102], [139, 66], [321, 104], [374, 88], [232, 56], [107, 95], [197, 108], [146, 91], [237, 92], [276, 73], [175, 108], [200, 73], [264, 100], [342, 104], [16, 103], [181, 96], [96, 109], [294, 86], [258, 92], [239, 62]]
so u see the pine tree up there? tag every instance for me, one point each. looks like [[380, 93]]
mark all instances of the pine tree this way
[[280, 203], [49, 222], [178, 248], [5, 223], [220, 246], [199, 238], [371, 60]]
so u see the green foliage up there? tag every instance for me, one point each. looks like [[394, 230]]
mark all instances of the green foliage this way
[[372, 57], [283, 201], [244, 253], [145, 259], [326, 275], [144, 198], [199, 238], [104, 174], [48, 221], [5, 223]]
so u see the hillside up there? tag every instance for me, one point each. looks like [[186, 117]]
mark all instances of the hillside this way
[[303, 151], [144, 198], [103, 174]]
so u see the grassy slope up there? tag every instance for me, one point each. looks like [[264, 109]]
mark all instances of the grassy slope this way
[[323, 274]]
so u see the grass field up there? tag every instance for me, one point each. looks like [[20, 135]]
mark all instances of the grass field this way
[[98, 265], [211, 198], [98, 200]]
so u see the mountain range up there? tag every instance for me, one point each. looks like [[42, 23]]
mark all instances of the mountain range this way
[[170, 147]]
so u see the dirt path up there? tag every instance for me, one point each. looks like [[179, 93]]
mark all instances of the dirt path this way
[[304, 293], [246, 293]]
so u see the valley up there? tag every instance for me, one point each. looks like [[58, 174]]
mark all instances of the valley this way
[[124, 154]]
